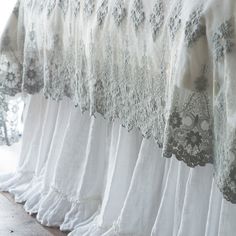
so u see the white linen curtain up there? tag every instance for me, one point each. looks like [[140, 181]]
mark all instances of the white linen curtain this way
[[94, 178]]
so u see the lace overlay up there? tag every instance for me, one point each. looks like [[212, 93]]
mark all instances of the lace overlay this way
[[102, 12], [89, 6], [153, 66], [194, 27], [137, 13], [157, 19], [9, 120], [119, 12]]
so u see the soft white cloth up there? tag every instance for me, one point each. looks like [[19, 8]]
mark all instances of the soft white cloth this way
[[95, 178], [164, 66]]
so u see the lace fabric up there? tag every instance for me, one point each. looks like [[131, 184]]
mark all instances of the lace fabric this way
[[153, 66], [10, 110]]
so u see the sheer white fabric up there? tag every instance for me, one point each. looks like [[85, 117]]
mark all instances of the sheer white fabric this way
[[95, 178]]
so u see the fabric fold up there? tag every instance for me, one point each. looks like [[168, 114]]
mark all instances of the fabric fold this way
[[149, 66], [123, 185]]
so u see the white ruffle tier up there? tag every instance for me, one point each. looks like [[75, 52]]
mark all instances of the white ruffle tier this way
[[94, 178]]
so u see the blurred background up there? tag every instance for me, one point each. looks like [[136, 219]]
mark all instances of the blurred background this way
[[8, 155]]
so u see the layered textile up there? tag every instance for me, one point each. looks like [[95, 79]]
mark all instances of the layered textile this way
[[95, 178], [10, 119], [164, 67]]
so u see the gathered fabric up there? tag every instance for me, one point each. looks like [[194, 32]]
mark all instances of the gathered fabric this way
[[94, 178], [163, 67]]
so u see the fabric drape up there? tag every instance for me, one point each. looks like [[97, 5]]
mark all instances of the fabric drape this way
[[95, 178], [164, 67]]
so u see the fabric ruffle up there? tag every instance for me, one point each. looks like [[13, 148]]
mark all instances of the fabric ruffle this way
[[94, 178]]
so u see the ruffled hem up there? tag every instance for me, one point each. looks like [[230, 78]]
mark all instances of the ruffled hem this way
[[89, 179], [52, 207]]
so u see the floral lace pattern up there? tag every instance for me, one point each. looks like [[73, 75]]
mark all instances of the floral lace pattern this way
[[137, 13], [223, 39], [50, 7], [89, 6], [102, 12], [64, 5], [9, 123], [153, 66], [76, 7], [194, 29], [157, 18], [175, 20], [190, 133], [119, 12]]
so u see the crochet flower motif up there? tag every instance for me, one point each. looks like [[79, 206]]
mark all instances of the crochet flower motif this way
[[175, 20], [223, 39], [76, 7], [31, 72], [51, 6], [102, 12], [137, 13], [32, 76], [119, 12], [193, 139], [194, 28], [89, 7], [64, 5], [175, 120], [157, 19], [11, 79]]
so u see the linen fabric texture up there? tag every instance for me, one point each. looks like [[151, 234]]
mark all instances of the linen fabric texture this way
[[94, 178]]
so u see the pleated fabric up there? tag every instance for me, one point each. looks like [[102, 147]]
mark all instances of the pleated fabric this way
[[94, 178]]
